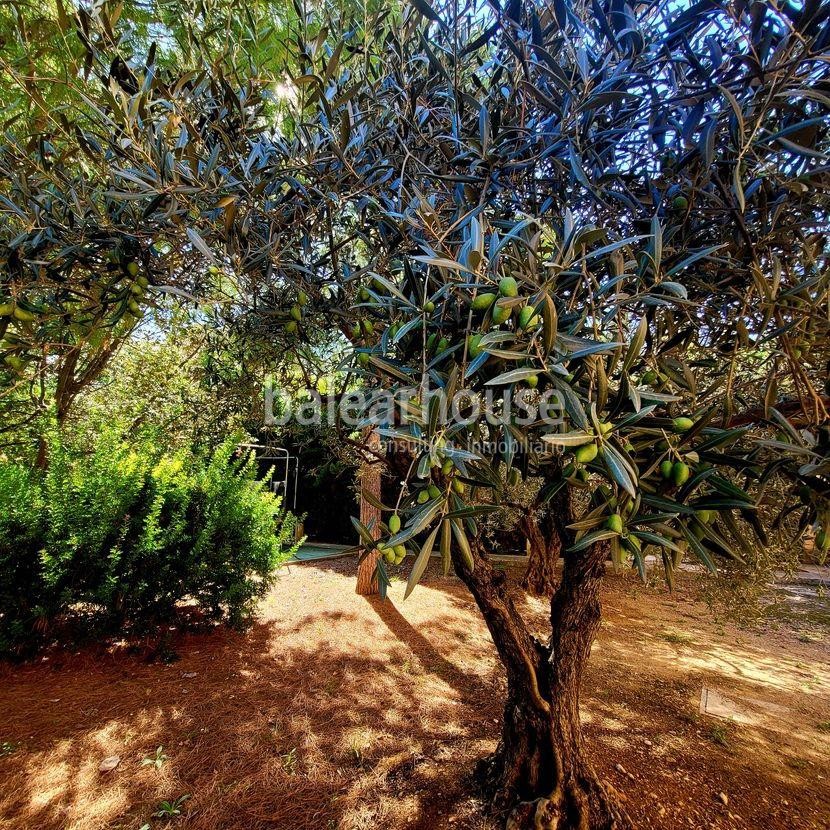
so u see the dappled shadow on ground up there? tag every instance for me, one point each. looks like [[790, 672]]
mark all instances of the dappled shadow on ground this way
[[305, 720], [339, 711]]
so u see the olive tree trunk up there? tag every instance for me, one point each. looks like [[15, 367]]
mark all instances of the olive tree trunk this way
[[545, 526], [544, 547], [539, 775]]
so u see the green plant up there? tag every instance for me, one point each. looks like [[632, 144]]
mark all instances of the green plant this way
[[236, 542], [720, 734], [22, 596], [155, 760], [289, 761], [117, 536], [171, 809], [7, 748], [93, 502]]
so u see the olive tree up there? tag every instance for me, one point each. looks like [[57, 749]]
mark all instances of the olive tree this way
[[88, 249], [617, 213], [622, 212]]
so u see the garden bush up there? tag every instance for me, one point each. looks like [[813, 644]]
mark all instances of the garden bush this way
[[116, 538]]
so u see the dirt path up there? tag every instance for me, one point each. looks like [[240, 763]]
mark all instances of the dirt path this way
[[340, 713]]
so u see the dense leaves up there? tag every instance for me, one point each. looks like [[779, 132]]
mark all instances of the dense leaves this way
[[620, 212], [625, 209], [117, 538], [608, 206], [111, 137]]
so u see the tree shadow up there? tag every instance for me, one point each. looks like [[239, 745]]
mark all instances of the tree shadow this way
[[339, 712], [468, 686], [322, 721]]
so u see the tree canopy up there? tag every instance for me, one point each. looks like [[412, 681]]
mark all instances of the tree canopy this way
[[622, 211]]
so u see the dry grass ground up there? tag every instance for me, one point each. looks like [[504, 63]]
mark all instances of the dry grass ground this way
[[334, 711]]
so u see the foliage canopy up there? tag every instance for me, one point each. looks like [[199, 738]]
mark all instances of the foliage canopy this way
[[624, 207]]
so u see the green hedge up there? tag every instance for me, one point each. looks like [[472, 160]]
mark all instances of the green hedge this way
[[119, 536]]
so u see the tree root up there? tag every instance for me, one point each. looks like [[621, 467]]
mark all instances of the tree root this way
[[510, 780], [578, 810]]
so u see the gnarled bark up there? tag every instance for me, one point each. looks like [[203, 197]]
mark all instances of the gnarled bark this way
[[544, 547], [539, 775], [545, 526]]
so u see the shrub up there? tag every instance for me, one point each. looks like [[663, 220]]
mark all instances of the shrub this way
[[119, 536], [234, 534], [92, 504], [21, 571]]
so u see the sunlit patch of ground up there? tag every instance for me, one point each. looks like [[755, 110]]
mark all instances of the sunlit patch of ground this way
[[338, 712]]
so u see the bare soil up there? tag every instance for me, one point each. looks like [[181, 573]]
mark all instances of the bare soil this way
[[339, 712]]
